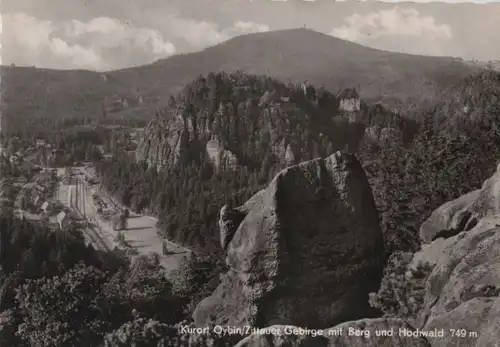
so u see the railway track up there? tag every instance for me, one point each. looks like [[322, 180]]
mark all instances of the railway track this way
[[90, 228]]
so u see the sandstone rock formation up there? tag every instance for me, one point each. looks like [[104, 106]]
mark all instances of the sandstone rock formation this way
[[162, 141], [462, 293], [448, 219], [463, 290], [176, 134], [305, 251]]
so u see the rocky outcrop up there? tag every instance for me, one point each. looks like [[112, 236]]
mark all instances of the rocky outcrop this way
[[254, 120], [464, 287], [162, 141], [464, 212], [449, 219], [229, 221], [361, 333], [305, 251], [462, 292], [178, 134]]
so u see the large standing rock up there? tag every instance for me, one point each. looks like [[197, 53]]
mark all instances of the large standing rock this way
[[462, 293], [306, 251], [353, 334]]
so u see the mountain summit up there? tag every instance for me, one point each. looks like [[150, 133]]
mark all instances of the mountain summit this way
[[295, 55]]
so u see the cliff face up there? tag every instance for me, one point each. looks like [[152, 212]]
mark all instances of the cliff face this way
[[462, 292], [306, 250], [162, 141]]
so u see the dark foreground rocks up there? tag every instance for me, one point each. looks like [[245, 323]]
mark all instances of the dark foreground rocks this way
[[305, 251]]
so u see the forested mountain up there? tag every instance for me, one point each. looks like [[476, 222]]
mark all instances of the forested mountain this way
[[295, 55], [408, 180], [457, 147]]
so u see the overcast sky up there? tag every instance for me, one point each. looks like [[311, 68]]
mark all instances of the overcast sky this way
[[111, 34]]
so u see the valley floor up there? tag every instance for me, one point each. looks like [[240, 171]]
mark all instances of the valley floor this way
[[141, 234]]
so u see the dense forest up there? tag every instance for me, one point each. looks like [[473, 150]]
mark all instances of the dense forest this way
[[56, 291], [30, 128]]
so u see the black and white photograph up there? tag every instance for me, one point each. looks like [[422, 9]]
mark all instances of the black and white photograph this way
[[249, 173]]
